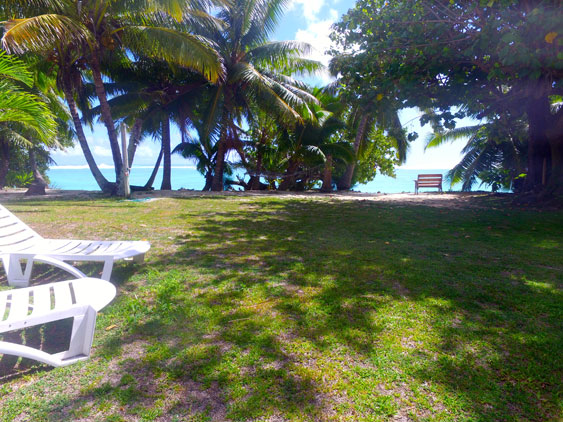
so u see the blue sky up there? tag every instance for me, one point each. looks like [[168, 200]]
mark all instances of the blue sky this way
[[305, 20]]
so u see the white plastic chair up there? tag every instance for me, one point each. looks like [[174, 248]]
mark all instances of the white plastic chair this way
[[18, 243], [80, 299]]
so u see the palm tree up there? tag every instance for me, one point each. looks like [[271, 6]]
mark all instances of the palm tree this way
[[363, 120], [311, 148], [25, 119], [495, 152], [151, 94], [204, 155], [255, 75], [75, 33]]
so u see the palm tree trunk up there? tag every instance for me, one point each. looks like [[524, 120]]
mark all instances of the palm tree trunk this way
[[217, 184], [166, 171], [134, 141], [105, 186], [255, 180], [327, 175], [538, 144], [288, 181], [106, 113], [150, 182], [208, 181], [4, 161], [39, 184], [345, 182], [555, 184]]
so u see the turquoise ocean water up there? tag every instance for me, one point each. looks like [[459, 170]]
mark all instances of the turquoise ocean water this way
[[79, 178]]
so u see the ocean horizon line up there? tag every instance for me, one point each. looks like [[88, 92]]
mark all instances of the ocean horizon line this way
[[110, 167]]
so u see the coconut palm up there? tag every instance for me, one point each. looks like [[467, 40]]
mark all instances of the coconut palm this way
[[151, 94], [76, 33], [363, 120], [311, 148], [255, 75], [495, 152], [25, 120]]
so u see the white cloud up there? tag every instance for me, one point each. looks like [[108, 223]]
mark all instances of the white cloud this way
[[147, 151], [311, 8], [319, 19], [101, 151], [317, 34], [75, 151]]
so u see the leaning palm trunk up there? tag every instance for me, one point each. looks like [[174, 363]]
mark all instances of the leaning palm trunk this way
[[102, 182], [105, 111], [134, 141], [345, 182], [150, 182]]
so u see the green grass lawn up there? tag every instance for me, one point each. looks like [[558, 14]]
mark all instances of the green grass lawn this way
[[274, 309]]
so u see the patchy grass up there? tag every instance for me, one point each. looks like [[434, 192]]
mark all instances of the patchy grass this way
[[271, 309]]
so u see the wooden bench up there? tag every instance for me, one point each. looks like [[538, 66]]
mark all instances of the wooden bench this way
[[78, 299], [428, 181]]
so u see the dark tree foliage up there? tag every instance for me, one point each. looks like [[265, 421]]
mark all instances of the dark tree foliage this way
[[483, 59]]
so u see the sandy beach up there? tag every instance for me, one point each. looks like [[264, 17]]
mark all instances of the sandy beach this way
[[442, 200]]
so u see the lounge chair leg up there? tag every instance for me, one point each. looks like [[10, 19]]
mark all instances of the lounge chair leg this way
[[82, 335], [106, 272], [13, 267]]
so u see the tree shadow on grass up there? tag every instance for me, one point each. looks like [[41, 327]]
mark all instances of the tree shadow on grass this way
[[310, 309], [491, 303]]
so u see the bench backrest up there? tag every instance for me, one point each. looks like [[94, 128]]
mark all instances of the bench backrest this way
[[429, 180]]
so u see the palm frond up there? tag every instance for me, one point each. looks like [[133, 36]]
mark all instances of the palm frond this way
[[14, 69], [191, 51], [274, 50], [438, 138], [42, 33]]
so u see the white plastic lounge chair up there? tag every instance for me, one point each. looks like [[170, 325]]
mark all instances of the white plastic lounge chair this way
[[80, 299], [19, 242]]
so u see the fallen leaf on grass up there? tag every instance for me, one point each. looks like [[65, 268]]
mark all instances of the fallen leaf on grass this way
[[111, 327]]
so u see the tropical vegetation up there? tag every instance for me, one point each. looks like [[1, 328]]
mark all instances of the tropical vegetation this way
[[210, 69], [496, 61]]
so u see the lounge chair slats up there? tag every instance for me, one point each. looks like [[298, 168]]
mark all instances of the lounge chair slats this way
[[42, 300], [19, 305], [62, 296], [20, 244], [78, 299]]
